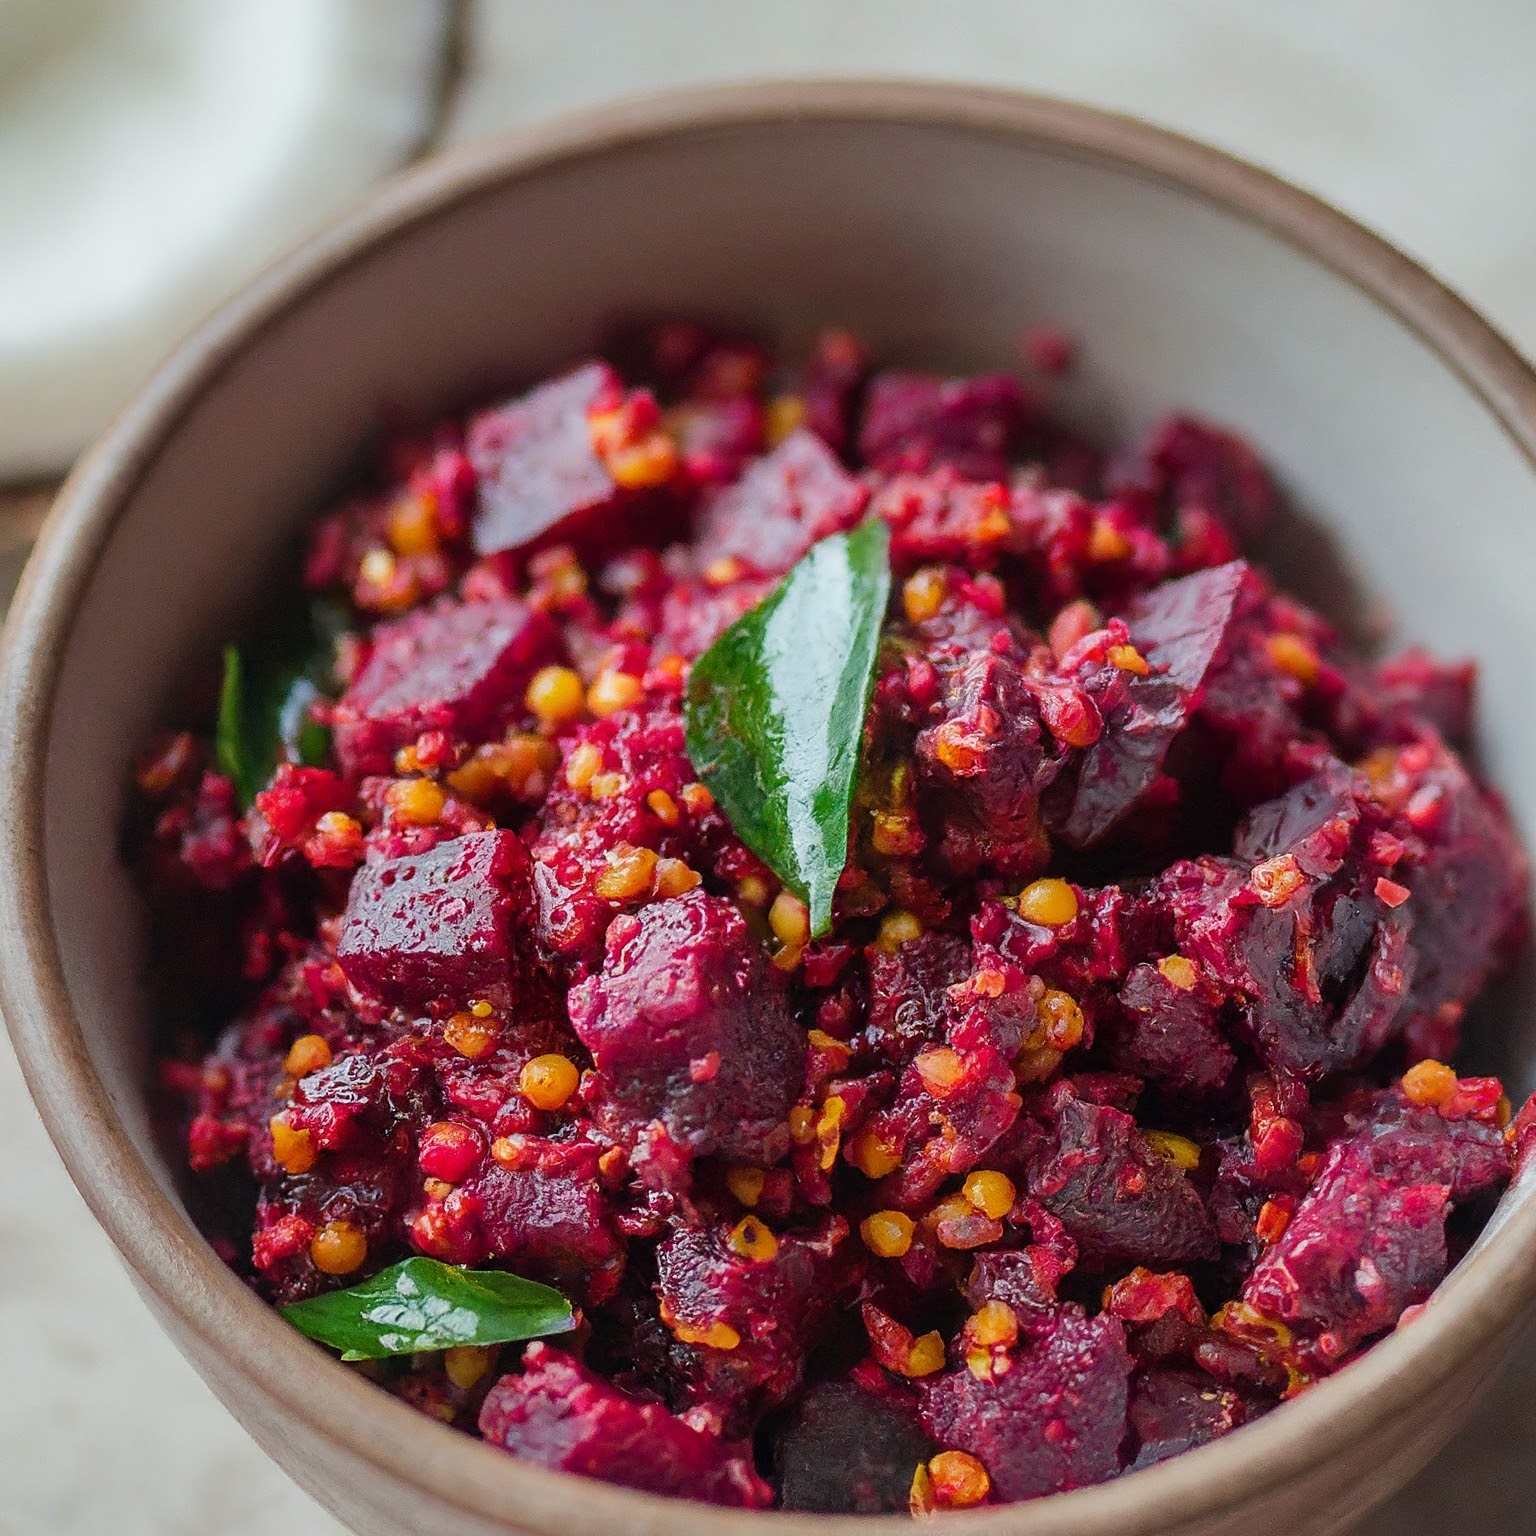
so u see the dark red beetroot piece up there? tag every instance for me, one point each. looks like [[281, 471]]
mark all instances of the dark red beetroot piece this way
[[1053, 1420], [985, 761], [459, 668], [775, 1304], [540, 1209], [781, 505], [691, 1035], [1170, 1032], [1028, 1137], [1368, 1239], [1297, 928], [562, 1416], [847, 1450], [1121, 1200], [1185, 463], [536, 462], [921, 422], [438, 928], [1176, 1410], [1177, 630]]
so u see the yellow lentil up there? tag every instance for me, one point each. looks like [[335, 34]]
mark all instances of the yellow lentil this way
[[629, 873], [750, 1239], [712, 1336], [1049, 903], [958, 1480], [926, 1355], [923, 594], [898, 928], [1178, 971], [746, 1184], [309, 1053], [1179, 1150], [613, 691], [471, 1034], [790, 920], [465, 1364], [1429, 1083], [873, 1157], [293, 1150], [548, 1081], [673, 877], [338, 1248], [992, 1193], [887, 1234], [417, 802], [555, 696], [1294, 655]]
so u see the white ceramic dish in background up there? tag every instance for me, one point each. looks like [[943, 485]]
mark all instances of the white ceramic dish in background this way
[[940, 223]]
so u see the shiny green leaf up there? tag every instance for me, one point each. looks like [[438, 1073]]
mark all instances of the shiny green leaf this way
[[264, 702], [775, 711], [421, 1304]]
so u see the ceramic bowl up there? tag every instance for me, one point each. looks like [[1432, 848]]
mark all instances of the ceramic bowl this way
[[939, 222]]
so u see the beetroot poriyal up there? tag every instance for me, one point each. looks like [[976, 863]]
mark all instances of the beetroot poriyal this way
[[1091, 1097]]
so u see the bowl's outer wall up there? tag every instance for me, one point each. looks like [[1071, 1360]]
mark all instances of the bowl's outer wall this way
[[940, 244], [1327, 1501]]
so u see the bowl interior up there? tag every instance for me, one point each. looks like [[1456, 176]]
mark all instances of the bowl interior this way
[[942, 245]]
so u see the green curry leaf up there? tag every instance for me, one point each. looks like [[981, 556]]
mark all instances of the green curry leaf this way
[[265, 699], [775, 711], [229, 733], [421, 1304]]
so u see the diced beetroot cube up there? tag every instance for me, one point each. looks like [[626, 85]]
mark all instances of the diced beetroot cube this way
[[1356, 1253], [1186, 463], [782, 505], [982, 765], [1122, 1201], [1343, 1006], [689, 1026], [1368, 1238], [847, 1450], [560, 1415], [1414, 1144], [460, 668], [1314, 822], [1169, 1033], [907, 1004], [1053, 1421], [1468, 874], [535, 458], [440, 926], [1178, 628], [1174, 1409], [775, 1305], [542, 1211], [1296, 933], [918, 421]]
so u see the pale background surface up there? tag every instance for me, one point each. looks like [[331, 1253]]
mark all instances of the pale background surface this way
[[1416, 115]]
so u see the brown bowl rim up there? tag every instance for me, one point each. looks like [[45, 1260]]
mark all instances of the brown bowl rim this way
[[1482, 1299]]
